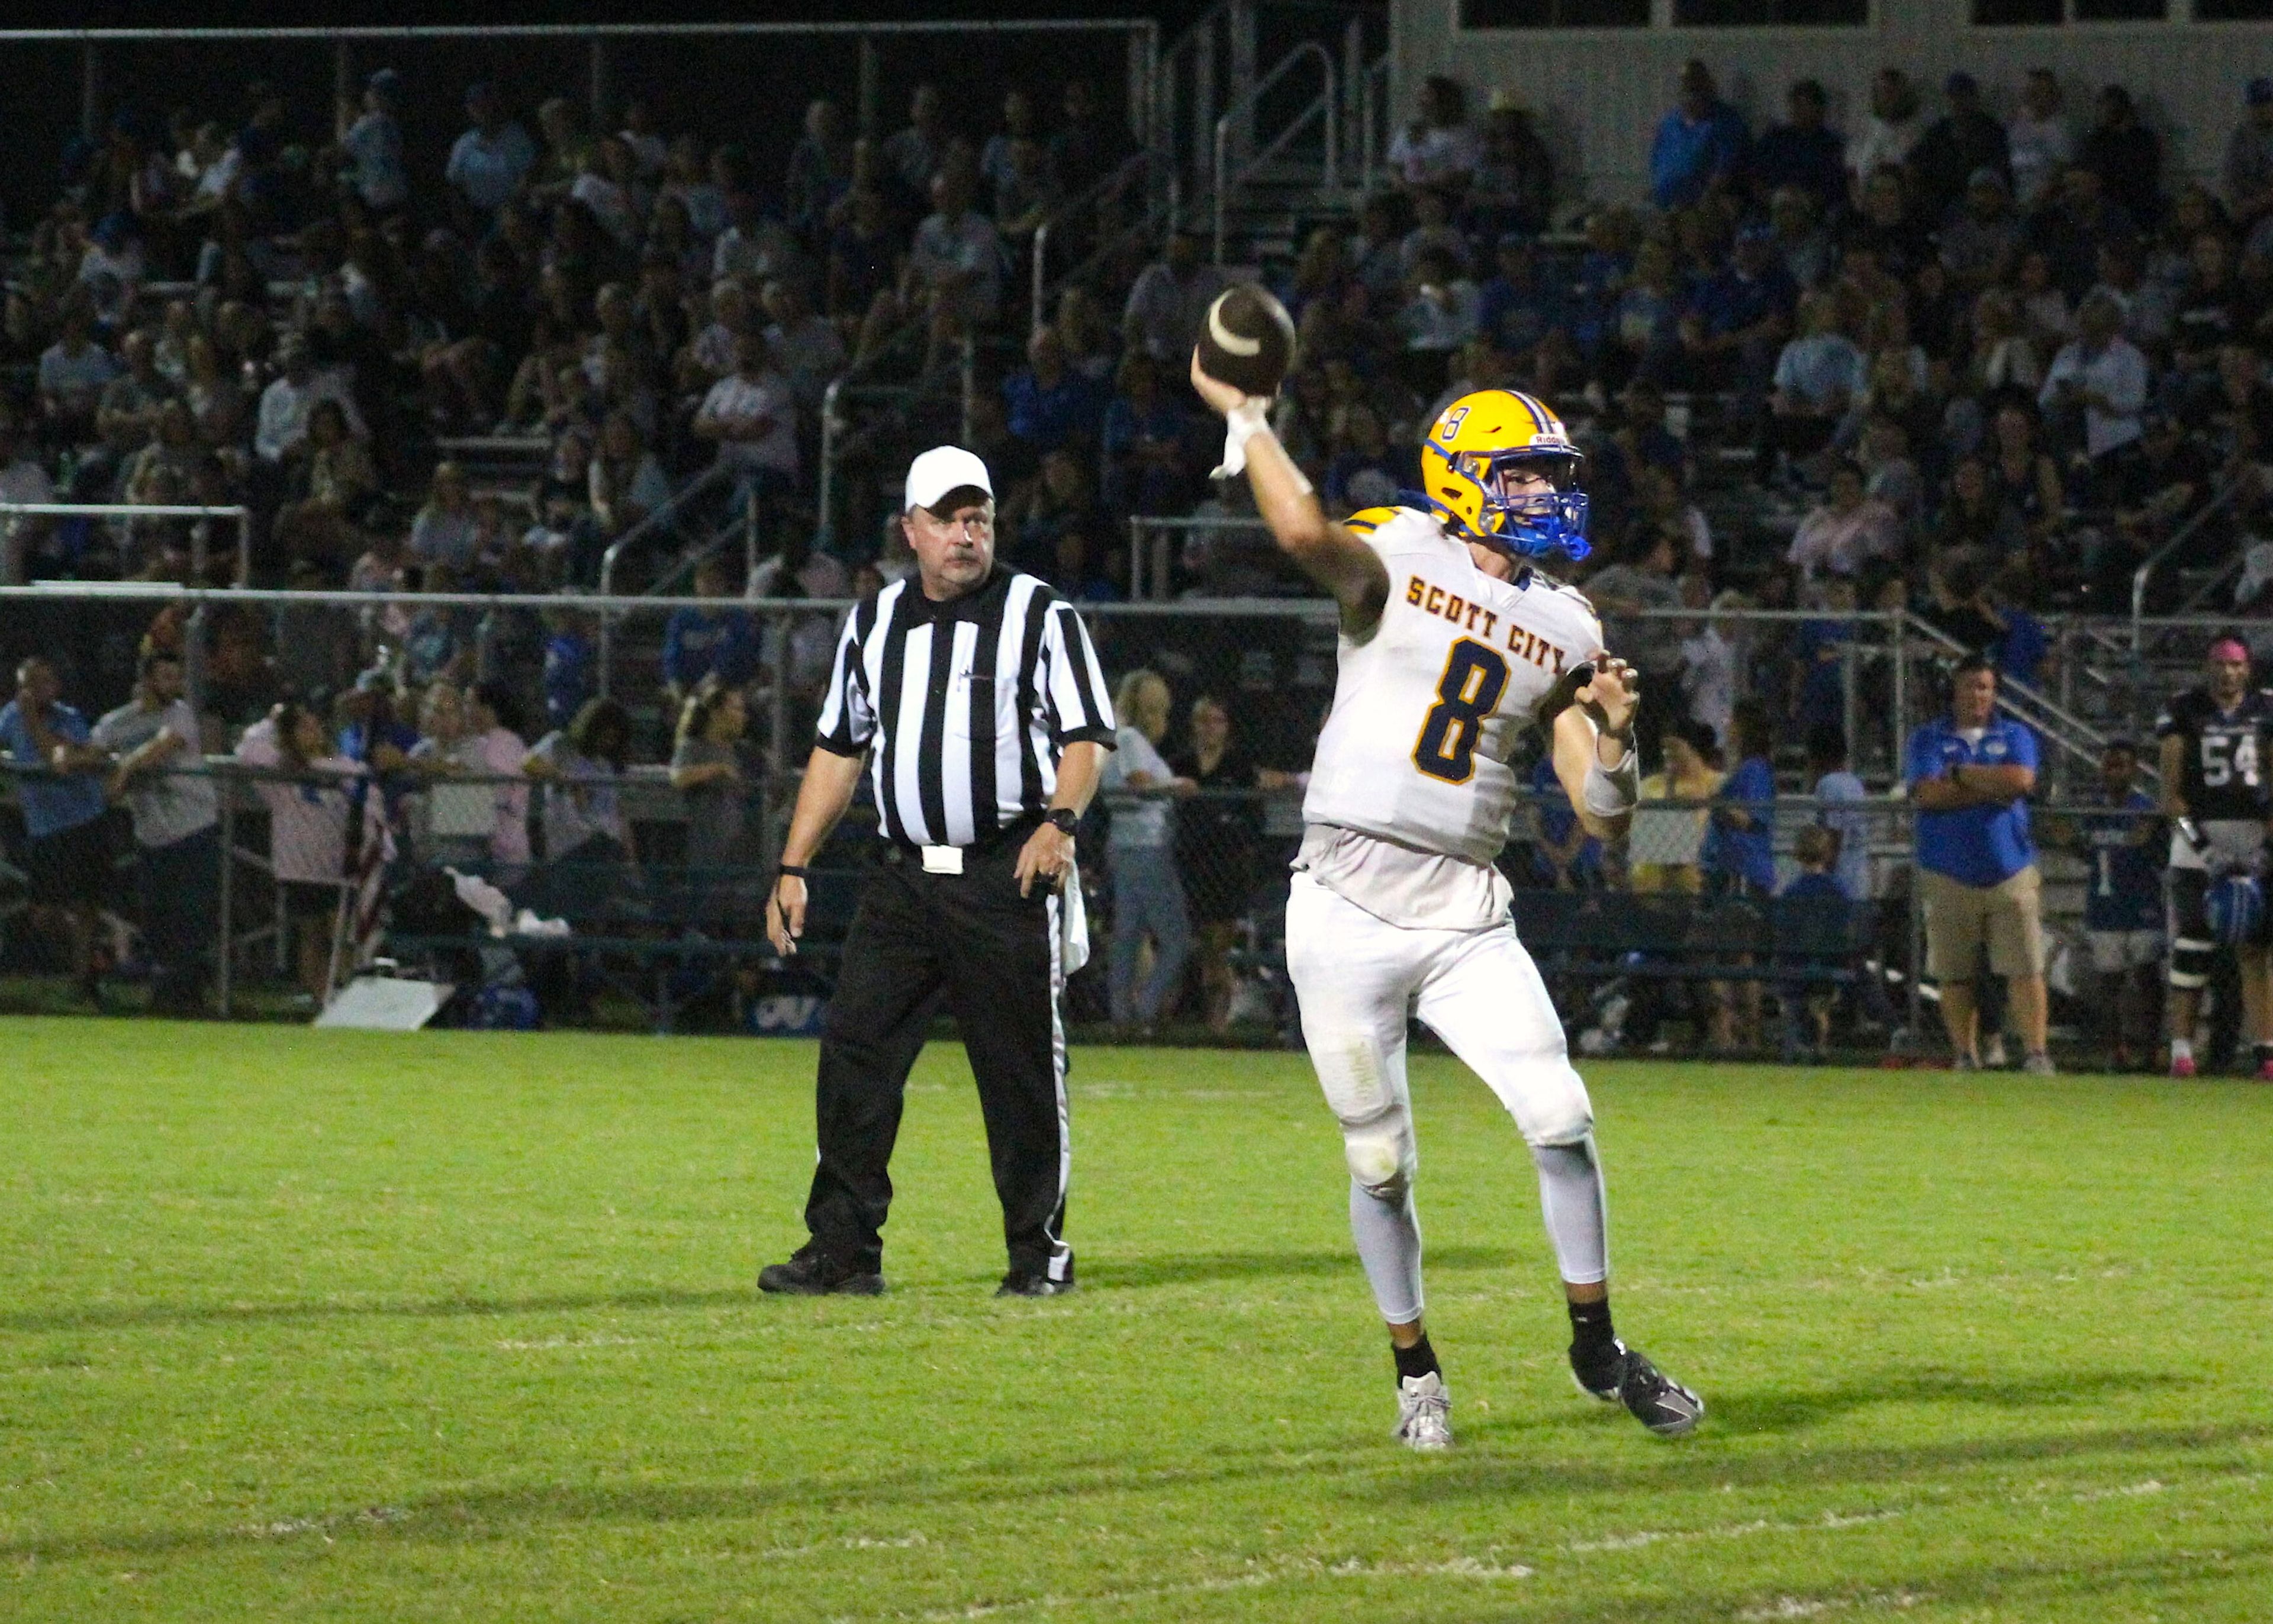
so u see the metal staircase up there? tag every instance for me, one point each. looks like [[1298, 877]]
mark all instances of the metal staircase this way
[[1263, 120]]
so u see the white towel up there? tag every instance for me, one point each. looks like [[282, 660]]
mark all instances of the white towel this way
[[485, 899], [1073, 922]]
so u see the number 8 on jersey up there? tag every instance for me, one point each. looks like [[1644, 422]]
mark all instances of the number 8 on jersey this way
[[1469, 690]]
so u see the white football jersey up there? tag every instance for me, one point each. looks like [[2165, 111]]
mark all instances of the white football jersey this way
[[1429, 708]]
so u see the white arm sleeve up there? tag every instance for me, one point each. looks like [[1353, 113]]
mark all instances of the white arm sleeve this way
[[1611, 792]]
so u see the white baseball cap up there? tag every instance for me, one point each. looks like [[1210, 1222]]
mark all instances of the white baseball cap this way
[[941, 470]]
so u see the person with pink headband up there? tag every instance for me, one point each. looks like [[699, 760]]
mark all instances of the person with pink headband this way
[[2214, 743]]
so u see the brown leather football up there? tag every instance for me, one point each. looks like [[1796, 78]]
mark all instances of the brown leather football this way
[[1247, 340]]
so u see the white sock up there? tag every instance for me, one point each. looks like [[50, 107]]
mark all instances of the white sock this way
[[1389, 1245], [2182, 1048], [1578, 1215]]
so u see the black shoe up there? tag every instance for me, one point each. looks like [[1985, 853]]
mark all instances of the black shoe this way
[[811, 1273], [1598, 1378], [1018, 1284], [1653, 1398]]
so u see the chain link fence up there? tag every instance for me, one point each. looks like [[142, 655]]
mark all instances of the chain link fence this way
[[364, 767]]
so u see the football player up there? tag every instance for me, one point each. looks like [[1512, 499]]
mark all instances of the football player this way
[[2123, 902], [1452, 643], [2214, 792]]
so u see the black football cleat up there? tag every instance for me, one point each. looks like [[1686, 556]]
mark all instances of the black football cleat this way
[[1019, 1283], [1650, 1395], [811, 1273]]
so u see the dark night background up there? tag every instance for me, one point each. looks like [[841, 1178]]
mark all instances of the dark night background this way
[[752, 90]]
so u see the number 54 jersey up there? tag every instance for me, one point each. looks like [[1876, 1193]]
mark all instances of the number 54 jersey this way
[[1428, 709]]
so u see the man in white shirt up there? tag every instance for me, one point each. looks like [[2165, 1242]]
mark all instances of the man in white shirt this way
[[1708, 665], [1170, 299], [1438, 148], [72, 371], [489, 161], [22, 479], [1847, 530], [955, 265], [145, 747], [1890, 132], [2101, 374], [281, 427], [753, 416], [373, 146]]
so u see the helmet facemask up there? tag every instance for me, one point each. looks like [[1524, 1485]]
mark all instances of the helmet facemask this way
[[1518, 514]]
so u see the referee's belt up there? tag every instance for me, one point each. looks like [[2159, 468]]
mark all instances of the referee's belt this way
[[950, 860]]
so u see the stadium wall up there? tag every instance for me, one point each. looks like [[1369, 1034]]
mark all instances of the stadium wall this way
[[1598, 93]]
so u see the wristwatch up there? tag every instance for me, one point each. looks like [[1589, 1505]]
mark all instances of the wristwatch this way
[[1064, 820]]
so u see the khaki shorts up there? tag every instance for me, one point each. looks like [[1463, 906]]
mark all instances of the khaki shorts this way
[[1961, 918]]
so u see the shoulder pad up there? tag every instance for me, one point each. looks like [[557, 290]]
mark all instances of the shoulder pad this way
[[1366, 520], [1533, 579]]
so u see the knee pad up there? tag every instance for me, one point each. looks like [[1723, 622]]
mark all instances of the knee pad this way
[[1382, 1157], [1550, 1106]]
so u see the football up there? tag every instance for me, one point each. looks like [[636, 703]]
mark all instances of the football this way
[[1249, 341]]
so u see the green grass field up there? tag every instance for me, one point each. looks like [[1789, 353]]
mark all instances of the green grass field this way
[[317, 1327]]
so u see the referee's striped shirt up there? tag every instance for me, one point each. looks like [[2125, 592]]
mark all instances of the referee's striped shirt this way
[[967, 704]]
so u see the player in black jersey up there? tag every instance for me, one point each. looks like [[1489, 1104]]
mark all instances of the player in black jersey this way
[[2215, 739]]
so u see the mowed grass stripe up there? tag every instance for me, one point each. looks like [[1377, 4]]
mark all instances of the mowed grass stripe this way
[[460, 1326]]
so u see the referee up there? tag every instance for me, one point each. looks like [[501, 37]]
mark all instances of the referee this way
[[975, 696]]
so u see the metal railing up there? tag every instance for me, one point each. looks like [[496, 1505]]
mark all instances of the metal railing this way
[[1373, 123], [2082, 740], [199, 559], [1226, 179], [2219, 502], [1115, 184], [903, 399], [665, 518], [744, 524]]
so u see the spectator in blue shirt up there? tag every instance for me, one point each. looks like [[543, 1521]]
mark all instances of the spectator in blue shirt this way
[[1834, 786], [63, 857], [1051, 404], [1804, 151], [1738, 319], [572, 663], [1146, 444], [1971, 774], [491, 161], [1700, 146], [2123, 907], [1739, 853], [1518, 306], [1807, 1004], [1817, 375], [708, 642], [1739, 858]]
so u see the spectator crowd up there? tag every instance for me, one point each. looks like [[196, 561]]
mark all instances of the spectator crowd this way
[[1975, 360]]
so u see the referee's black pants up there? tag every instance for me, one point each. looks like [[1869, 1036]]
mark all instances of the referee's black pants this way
[[991, 955]]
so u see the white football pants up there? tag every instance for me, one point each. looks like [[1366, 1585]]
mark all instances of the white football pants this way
[[1359, 979]]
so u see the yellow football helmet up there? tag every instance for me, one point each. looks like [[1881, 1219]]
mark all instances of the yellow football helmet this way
[[1469, 452]]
